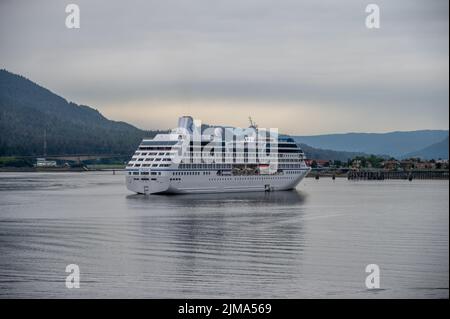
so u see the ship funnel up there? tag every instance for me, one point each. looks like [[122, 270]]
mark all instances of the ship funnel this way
[[186, 122]]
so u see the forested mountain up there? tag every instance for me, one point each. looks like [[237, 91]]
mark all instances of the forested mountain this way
[[28, 111]]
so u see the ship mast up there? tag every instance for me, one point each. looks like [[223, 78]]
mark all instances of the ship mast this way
[[252, 124]]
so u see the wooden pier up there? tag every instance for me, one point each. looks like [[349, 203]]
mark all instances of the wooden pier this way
[[407, 175]]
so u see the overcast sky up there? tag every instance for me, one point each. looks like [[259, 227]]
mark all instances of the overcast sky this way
[[306, 67]]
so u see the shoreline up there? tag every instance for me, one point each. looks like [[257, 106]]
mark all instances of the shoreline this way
[[416, 174]]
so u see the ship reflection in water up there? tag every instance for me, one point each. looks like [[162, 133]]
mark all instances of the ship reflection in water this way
[[285, 198], [311, 242], [220, 241]]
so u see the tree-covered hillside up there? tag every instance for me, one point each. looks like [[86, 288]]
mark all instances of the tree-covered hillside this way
[[28, 111]]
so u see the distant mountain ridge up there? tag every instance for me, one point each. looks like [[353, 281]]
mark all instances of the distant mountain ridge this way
[[396, 144], [324, 154], [435, 151]]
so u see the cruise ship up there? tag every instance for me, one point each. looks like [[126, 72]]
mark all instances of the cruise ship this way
[[215, 160]]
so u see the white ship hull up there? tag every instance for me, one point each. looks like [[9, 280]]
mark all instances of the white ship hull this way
[[214, 184]]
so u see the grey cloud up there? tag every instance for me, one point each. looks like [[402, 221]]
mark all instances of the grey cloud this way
[[285, 51]]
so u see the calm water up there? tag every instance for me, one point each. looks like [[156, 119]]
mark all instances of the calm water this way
[[313, 242]]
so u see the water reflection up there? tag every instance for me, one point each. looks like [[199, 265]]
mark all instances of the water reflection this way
[[213, 247], [284, 198]]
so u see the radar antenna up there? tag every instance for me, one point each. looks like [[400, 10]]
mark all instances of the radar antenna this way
[[252, 124]]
